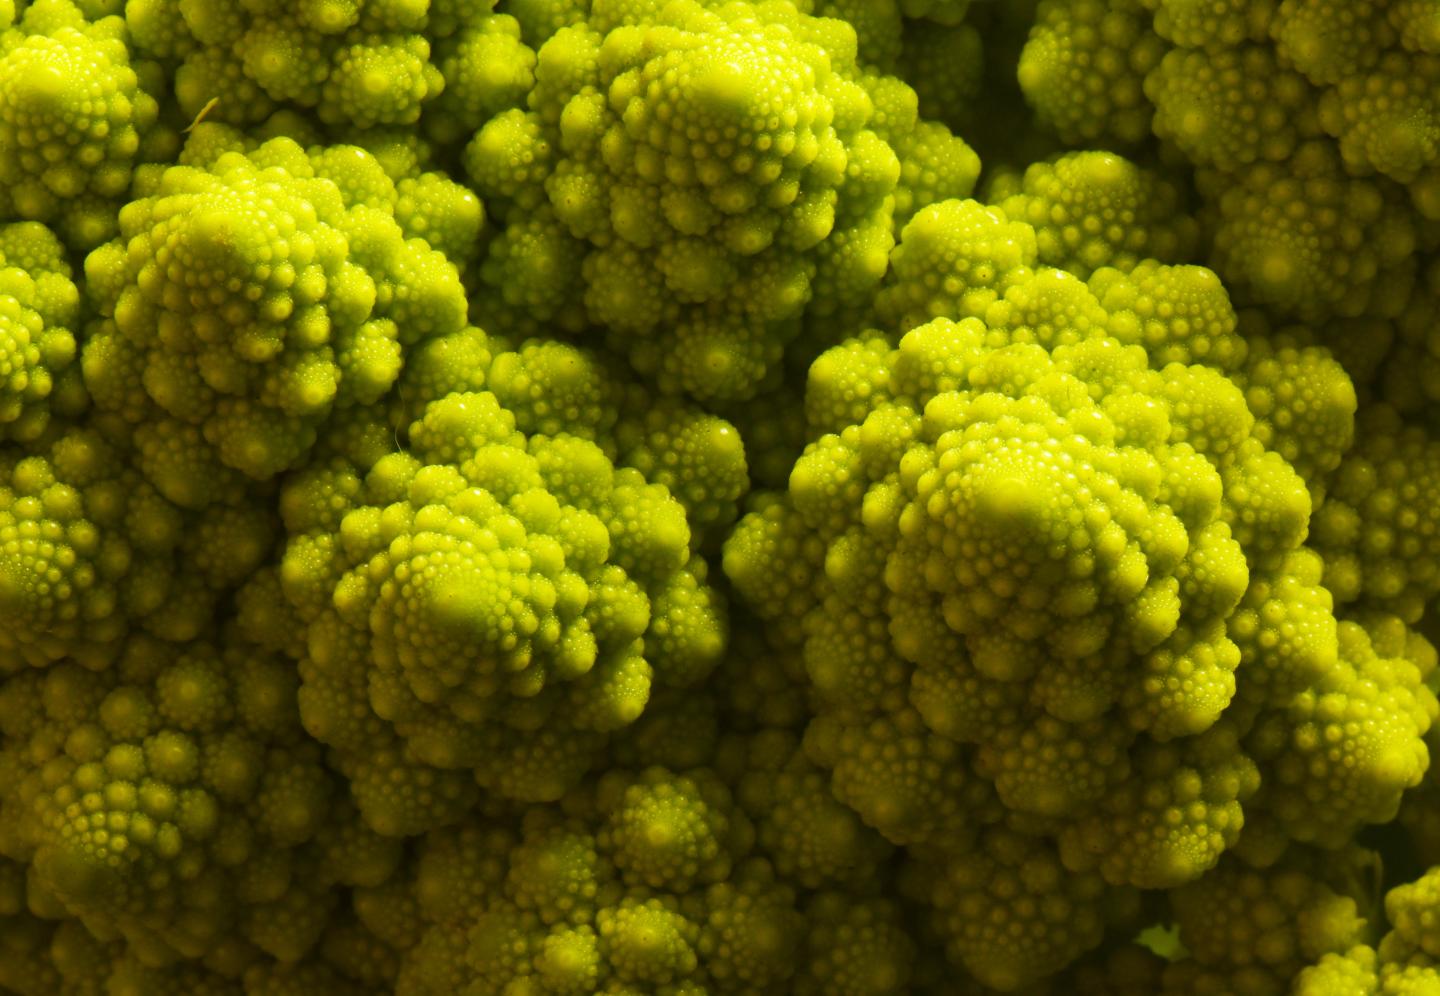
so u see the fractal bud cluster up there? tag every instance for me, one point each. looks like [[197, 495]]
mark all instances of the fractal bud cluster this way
[[703, 497]]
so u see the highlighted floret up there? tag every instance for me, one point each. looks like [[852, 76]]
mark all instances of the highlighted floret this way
[[74, 122], [249, 299]]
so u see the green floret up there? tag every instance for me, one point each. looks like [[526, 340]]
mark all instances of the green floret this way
[[1418, 24], [1351, 971], [1330, 40], [1010, 912], [251, 349], [1412, 911], [1095, 209], [809, 835], [1251, 930], [358, 63], [1405, 960], [1313, 126], [39, 306], [581, 498], [1210, 23], [1083, 68], [487, 68], [878, 27], [855, 948], [664, 831], [206, 75], [954, 259], [1408, 350], [1179, 314], [944, 65], [1376, 528], [92, 549], [700, 458], [1231, 107], [506, 593], [379, 80], [1306, 240], [699, 250], [1358, 732], [184, 777], [74, 122], [908, 783], [1091, 565], [1387, 120], [445, 214], [629, 889], [1304, 404], [1170, 821]]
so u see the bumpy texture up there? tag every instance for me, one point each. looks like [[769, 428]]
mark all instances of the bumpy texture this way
[[1083, 69], [698, 181], [1310, 121], [1096, 603], [352, 62], [1407, 959], [192, 786], [89, 549], [39, 309], [569, 497], [74, 121], [248, 298], [653, 885], [1252, 930], [1094, 209], [489, 603]]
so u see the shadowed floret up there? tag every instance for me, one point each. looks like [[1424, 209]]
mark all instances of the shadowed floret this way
[[1307, 240], [1083, 69], [90, 550], [1405, 960], [1084, 506], [1231, 107], [1377, 525], [651, 882], [1252, 929], [1354, 740], [1010, 911], [365, 63], [174, 800]]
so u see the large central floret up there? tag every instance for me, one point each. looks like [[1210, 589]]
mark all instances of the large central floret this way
[[1046, 561], [1045, 519], [1055, 533]]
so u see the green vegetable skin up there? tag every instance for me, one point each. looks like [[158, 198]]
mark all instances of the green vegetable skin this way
[[702, 497]]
